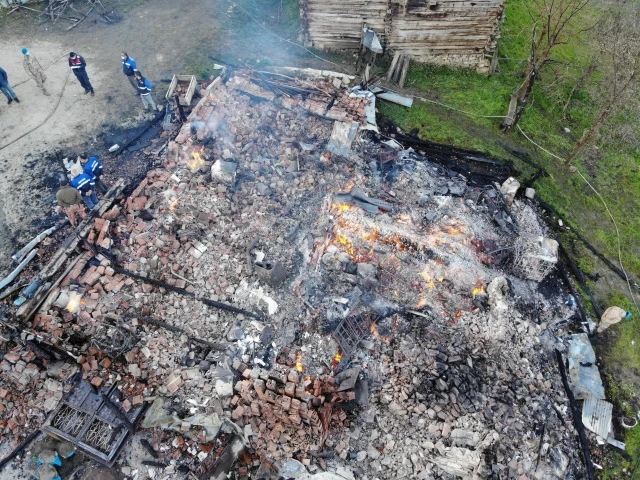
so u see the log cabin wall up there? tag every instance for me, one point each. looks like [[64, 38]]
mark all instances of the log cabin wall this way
[[450, 32], [336, 24]]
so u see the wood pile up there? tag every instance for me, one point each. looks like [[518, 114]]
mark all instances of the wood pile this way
[[57, 9]]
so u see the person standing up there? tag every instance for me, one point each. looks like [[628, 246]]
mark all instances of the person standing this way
[[78, 65], [86, 186], [70, 200], [34, 70], [93, 167], [5, 86], [129, 68], [144, 89]]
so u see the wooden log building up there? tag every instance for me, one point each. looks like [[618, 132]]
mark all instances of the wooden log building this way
[[448, 32]]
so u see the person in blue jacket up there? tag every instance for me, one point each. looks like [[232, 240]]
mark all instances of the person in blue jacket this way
[[144, 89], [93, 167], [129, 68], [86, 186], [5, 86]]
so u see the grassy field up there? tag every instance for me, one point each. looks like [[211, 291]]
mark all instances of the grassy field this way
[[612, 167]]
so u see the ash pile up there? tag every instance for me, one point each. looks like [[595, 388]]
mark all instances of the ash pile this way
[[293, 294]]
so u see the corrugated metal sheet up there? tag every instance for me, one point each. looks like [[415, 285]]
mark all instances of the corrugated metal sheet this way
[[583, 371], [596, 416]]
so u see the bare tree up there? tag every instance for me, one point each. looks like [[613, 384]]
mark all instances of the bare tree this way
[[586, 75], [619, 44], [553, 24]]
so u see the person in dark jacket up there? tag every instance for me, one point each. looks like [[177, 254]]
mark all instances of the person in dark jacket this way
[[78, 65], [144, 89], [70, 200], [129, 68], [93, 167], [5, 86]]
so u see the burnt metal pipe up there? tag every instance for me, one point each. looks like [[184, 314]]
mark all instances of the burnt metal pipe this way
[[182, 291], [171, 328], [157, 283]]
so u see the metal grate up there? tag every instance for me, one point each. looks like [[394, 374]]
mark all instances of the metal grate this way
[[93, 421], [350, 332]]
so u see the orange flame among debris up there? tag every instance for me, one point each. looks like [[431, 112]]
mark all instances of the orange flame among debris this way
[[405, 218], [455, 230], [299, 365], [428, 278], [74, 303], [478, 290], [376, 334], [337, 358], [197, 161]]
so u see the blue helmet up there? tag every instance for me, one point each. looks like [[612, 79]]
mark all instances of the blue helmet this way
[[25, 51]]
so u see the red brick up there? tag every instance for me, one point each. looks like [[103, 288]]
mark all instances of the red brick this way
[[96, 382]]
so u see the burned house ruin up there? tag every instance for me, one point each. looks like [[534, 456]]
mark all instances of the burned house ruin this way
[[445, 32], [290, 290]]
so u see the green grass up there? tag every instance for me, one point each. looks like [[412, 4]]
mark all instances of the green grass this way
[[621, 360]]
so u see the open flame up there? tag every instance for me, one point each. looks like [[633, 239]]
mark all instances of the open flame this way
[[478, 290], [196, 162], [376, 334], [337, 358], [299, 365], [74, 303], [431, 284]]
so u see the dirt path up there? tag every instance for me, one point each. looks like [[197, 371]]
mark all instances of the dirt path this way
[[163, 36]]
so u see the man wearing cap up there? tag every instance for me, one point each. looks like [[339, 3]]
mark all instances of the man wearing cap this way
[[85, 185], [70, 200], [78, 65], [5, 86], [34, 69]]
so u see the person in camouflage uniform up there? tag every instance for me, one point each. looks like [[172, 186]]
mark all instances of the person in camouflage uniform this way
[[34, 69]]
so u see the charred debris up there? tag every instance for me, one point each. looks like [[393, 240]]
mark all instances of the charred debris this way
[[290, 290]]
